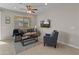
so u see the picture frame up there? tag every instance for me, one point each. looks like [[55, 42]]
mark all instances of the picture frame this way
[[7, 20], [45, 23]]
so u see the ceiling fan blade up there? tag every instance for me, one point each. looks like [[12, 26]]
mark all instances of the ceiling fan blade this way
[[33, 12], [34, 9]]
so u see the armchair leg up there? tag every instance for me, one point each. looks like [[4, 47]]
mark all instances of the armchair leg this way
[[55, 46], [44, 43]]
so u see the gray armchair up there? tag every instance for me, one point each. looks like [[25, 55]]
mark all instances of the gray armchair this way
[[51, 39]]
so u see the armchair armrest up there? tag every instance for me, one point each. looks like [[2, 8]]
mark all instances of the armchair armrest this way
[[48, 35]]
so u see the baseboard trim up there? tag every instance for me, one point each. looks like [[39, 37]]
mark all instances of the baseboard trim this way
[[68, 45]]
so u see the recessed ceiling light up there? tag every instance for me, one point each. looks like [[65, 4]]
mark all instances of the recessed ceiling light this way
[[45, 3]]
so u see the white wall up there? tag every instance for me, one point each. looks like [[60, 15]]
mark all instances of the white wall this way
[[0, 25], [7, 29], [33, 20], [64, 19]]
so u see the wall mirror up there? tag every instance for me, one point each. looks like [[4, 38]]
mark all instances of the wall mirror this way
[[22, 22]]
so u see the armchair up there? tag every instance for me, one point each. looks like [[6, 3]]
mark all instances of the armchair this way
[[17, 33], [51, 39]]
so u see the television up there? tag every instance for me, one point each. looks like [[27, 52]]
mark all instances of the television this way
[[45, 23]]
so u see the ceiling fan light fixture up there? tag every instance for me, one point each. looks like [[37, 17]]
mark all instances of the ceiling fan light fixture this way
[[29, 12]]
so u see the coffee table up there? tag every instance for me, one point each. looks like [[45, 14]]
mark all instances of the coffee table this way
[[30, 37]]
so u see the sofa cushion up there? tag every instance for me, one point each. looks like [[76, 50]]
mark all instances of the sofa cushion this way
[[30, 30]]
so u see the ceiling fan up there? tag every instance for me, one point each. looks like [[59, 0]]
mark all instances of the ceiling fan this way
[[30, 9]]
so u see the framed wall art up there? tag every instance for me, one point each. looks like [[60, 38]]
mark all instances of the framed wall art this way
[[45, 23], [7, 20]]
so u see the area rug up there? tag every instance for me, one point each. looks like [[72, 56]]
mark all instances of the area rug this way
[[19, 48]]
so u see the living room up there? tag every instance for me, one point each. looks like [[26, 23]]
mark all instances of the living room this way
[[63, 17]]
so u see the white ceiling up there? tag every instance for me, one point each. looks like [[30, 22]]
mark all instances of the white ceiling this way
[[20, 7]]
